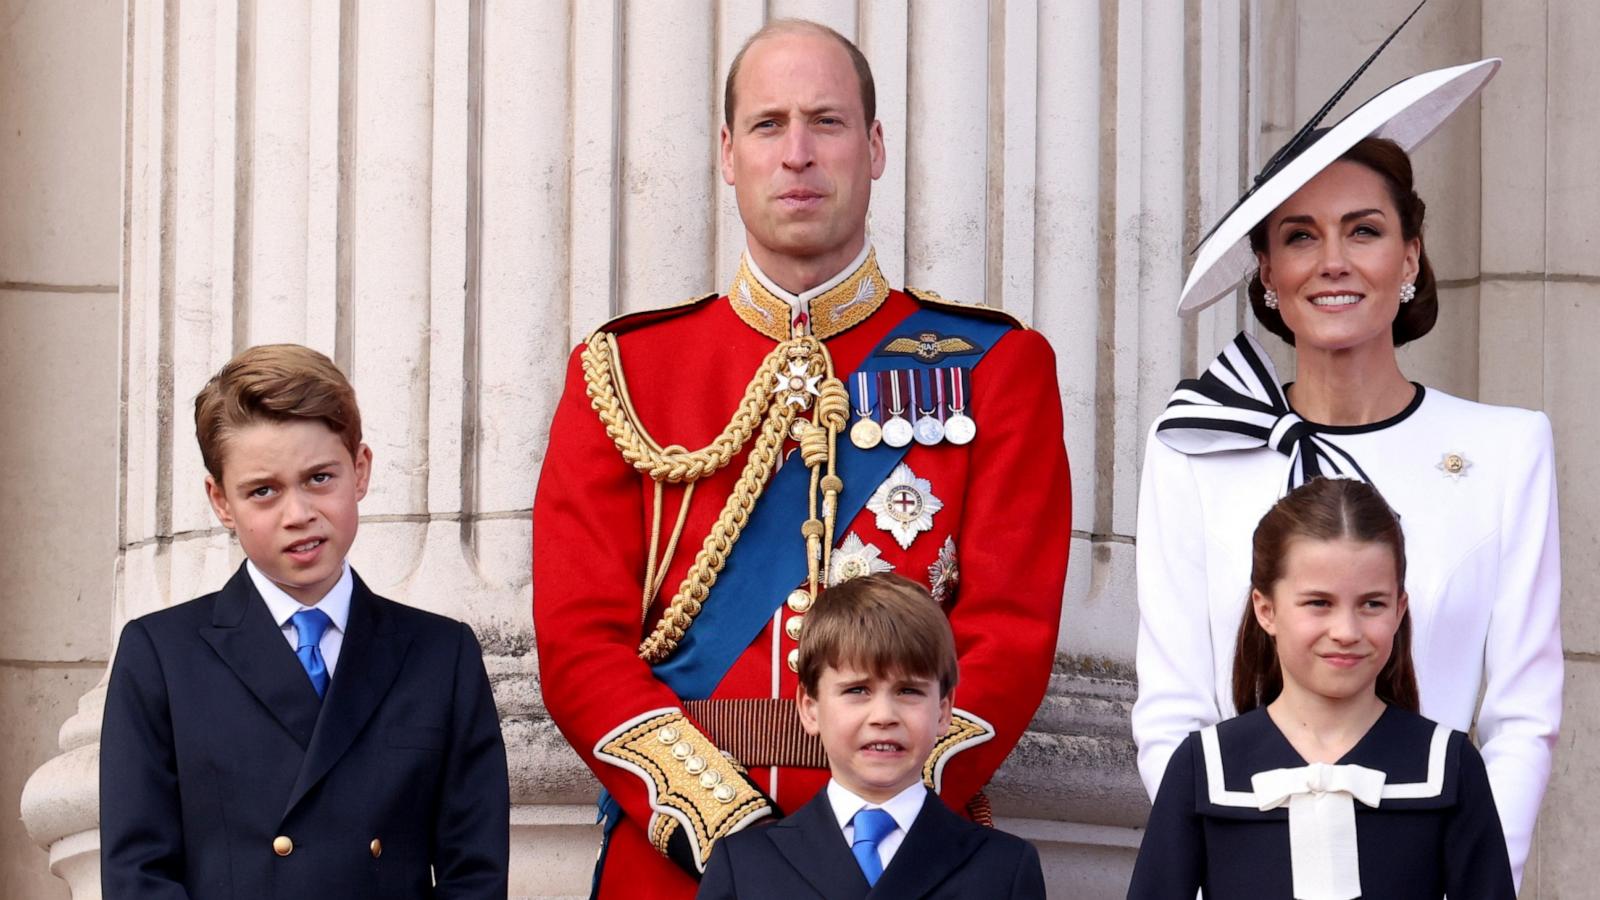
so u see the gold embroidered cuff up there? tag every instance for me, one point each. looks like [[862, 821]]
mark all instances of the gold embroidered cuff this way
[[966, 731], [692, 786]]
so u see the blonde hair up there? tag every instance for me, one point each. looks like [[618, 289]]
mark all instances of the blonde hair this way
[[274, 383], [883, 624]]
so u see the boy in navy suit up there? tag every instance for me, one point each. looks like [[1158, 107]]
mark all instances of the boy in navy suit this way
[[877, 667], [295, 735]]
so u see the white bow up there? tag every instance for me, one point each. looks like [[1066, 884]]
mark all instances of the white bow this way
[[1322, 823]]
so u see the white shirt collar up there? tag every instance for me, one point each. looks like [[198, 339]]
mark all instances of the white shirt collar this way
[[801, 302], [336, 603], [902, 807]]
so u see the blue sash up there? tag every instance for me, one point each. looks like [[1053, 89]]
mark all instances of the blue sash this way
[[770, 560]]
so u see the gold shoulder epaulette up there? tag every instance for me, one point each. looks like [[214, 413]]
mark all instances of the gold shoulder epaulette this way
[[630, 321], [932, 298]]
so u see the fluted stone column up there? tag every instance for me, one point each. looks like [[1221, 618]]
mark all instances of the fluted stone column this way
[[1539, 309], [446, 195]]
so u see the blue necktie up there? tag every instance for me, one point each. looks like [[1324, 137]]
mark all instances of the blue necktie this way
[[872, 826], [309, 624]]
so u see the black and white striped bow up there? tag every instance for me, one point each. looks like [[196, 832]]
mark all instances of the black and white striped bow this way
[[1237, 404]]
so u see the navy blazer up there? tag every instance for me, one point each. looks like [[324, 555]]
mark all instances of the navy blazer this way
[[805, 856], [222, 775]]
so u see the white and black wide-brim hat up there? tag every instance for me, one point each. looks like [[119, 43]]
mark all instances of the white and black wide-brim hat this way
[[1407, 113]]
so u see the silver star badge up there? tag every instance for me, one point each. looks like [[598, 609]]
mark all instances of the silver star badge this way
[[1454, 464], [797, 386], [905, 505], [853, 559]]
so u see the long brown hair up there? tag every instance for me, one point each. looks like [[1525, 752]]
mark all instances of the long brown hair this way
[[1322, 509]]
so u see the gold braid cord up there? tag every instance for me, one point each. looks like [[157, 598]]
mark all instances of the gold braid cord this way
[[782, 388]]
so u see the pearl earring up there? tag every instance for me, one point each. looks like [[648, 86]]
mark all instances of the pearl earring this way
[[1270, 298], [1408, 292]]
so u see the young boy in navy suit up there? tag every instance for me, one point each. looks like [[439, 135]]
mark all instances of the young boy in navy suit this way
[[877, 667], [295, 735]]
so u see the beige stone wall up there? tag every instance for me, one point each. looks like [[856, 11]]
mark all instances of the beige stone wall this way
[[60, 109], [1540, 294], [446, 194]]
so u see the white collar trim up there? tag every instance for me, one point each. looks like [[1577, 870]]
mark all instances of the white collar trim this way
[[1217, 790]]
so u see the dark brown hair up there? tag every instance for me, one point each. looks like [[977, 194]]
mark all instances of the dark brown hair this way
[[1415, 318], [883, 624], [274, 383], [869, 90], [1322, 509]]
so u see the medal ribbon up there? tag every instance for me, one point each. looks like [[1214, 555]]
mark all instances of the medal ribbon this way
[[958, 389], [865, 399], [897, 405]]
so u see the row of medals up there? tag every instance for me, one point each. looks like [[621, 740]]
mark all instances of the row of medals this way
[[946, 421]]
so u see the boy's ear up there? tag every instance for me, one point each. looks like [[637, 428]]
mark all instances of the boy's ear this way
[[807, 705], [363, 466], [945, 707], [1266, 615], [219, 502]]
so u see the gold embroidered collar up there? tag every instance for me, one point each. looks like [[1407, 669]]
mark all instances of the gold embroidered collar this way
[[780, 315]]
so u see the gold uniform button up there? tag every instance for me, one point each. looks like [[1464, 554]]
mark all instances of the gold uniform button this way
[[724, 793], [377, 848], [682, 751], [667, 735], [799, 600], [793, 626], [282, 846], [694, 765], [794, 660], [710, 779]]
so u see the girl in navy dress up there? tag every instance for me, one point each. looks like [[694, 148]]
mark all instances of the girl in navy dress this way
[[1328, 785]]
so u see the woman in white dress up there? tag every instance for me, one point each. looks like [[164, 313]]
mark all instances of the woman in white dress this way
[[1335, 228]]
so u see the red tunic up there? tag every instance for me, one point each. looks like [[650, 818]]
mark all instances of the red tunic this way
[[1007, 506]]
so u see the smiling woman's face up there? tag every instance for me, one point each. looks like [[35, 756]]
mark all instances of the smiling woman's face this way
[[1336, 257]]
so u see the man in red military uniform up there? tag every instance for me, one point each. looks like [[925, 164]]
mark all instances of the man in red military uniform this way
[[844, 428]]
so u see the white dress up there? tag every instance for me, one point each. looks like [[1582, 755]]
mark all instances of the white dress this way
[[1483, 575]]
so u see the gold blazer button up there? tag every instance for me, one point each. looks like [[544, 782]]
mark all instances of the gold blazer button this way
[[377, 848], [282, 846]]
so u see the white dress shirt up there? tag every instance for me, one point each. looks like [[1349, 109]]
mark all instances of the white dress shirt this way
[[1483, 574], [902, 807], [336, 603]]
